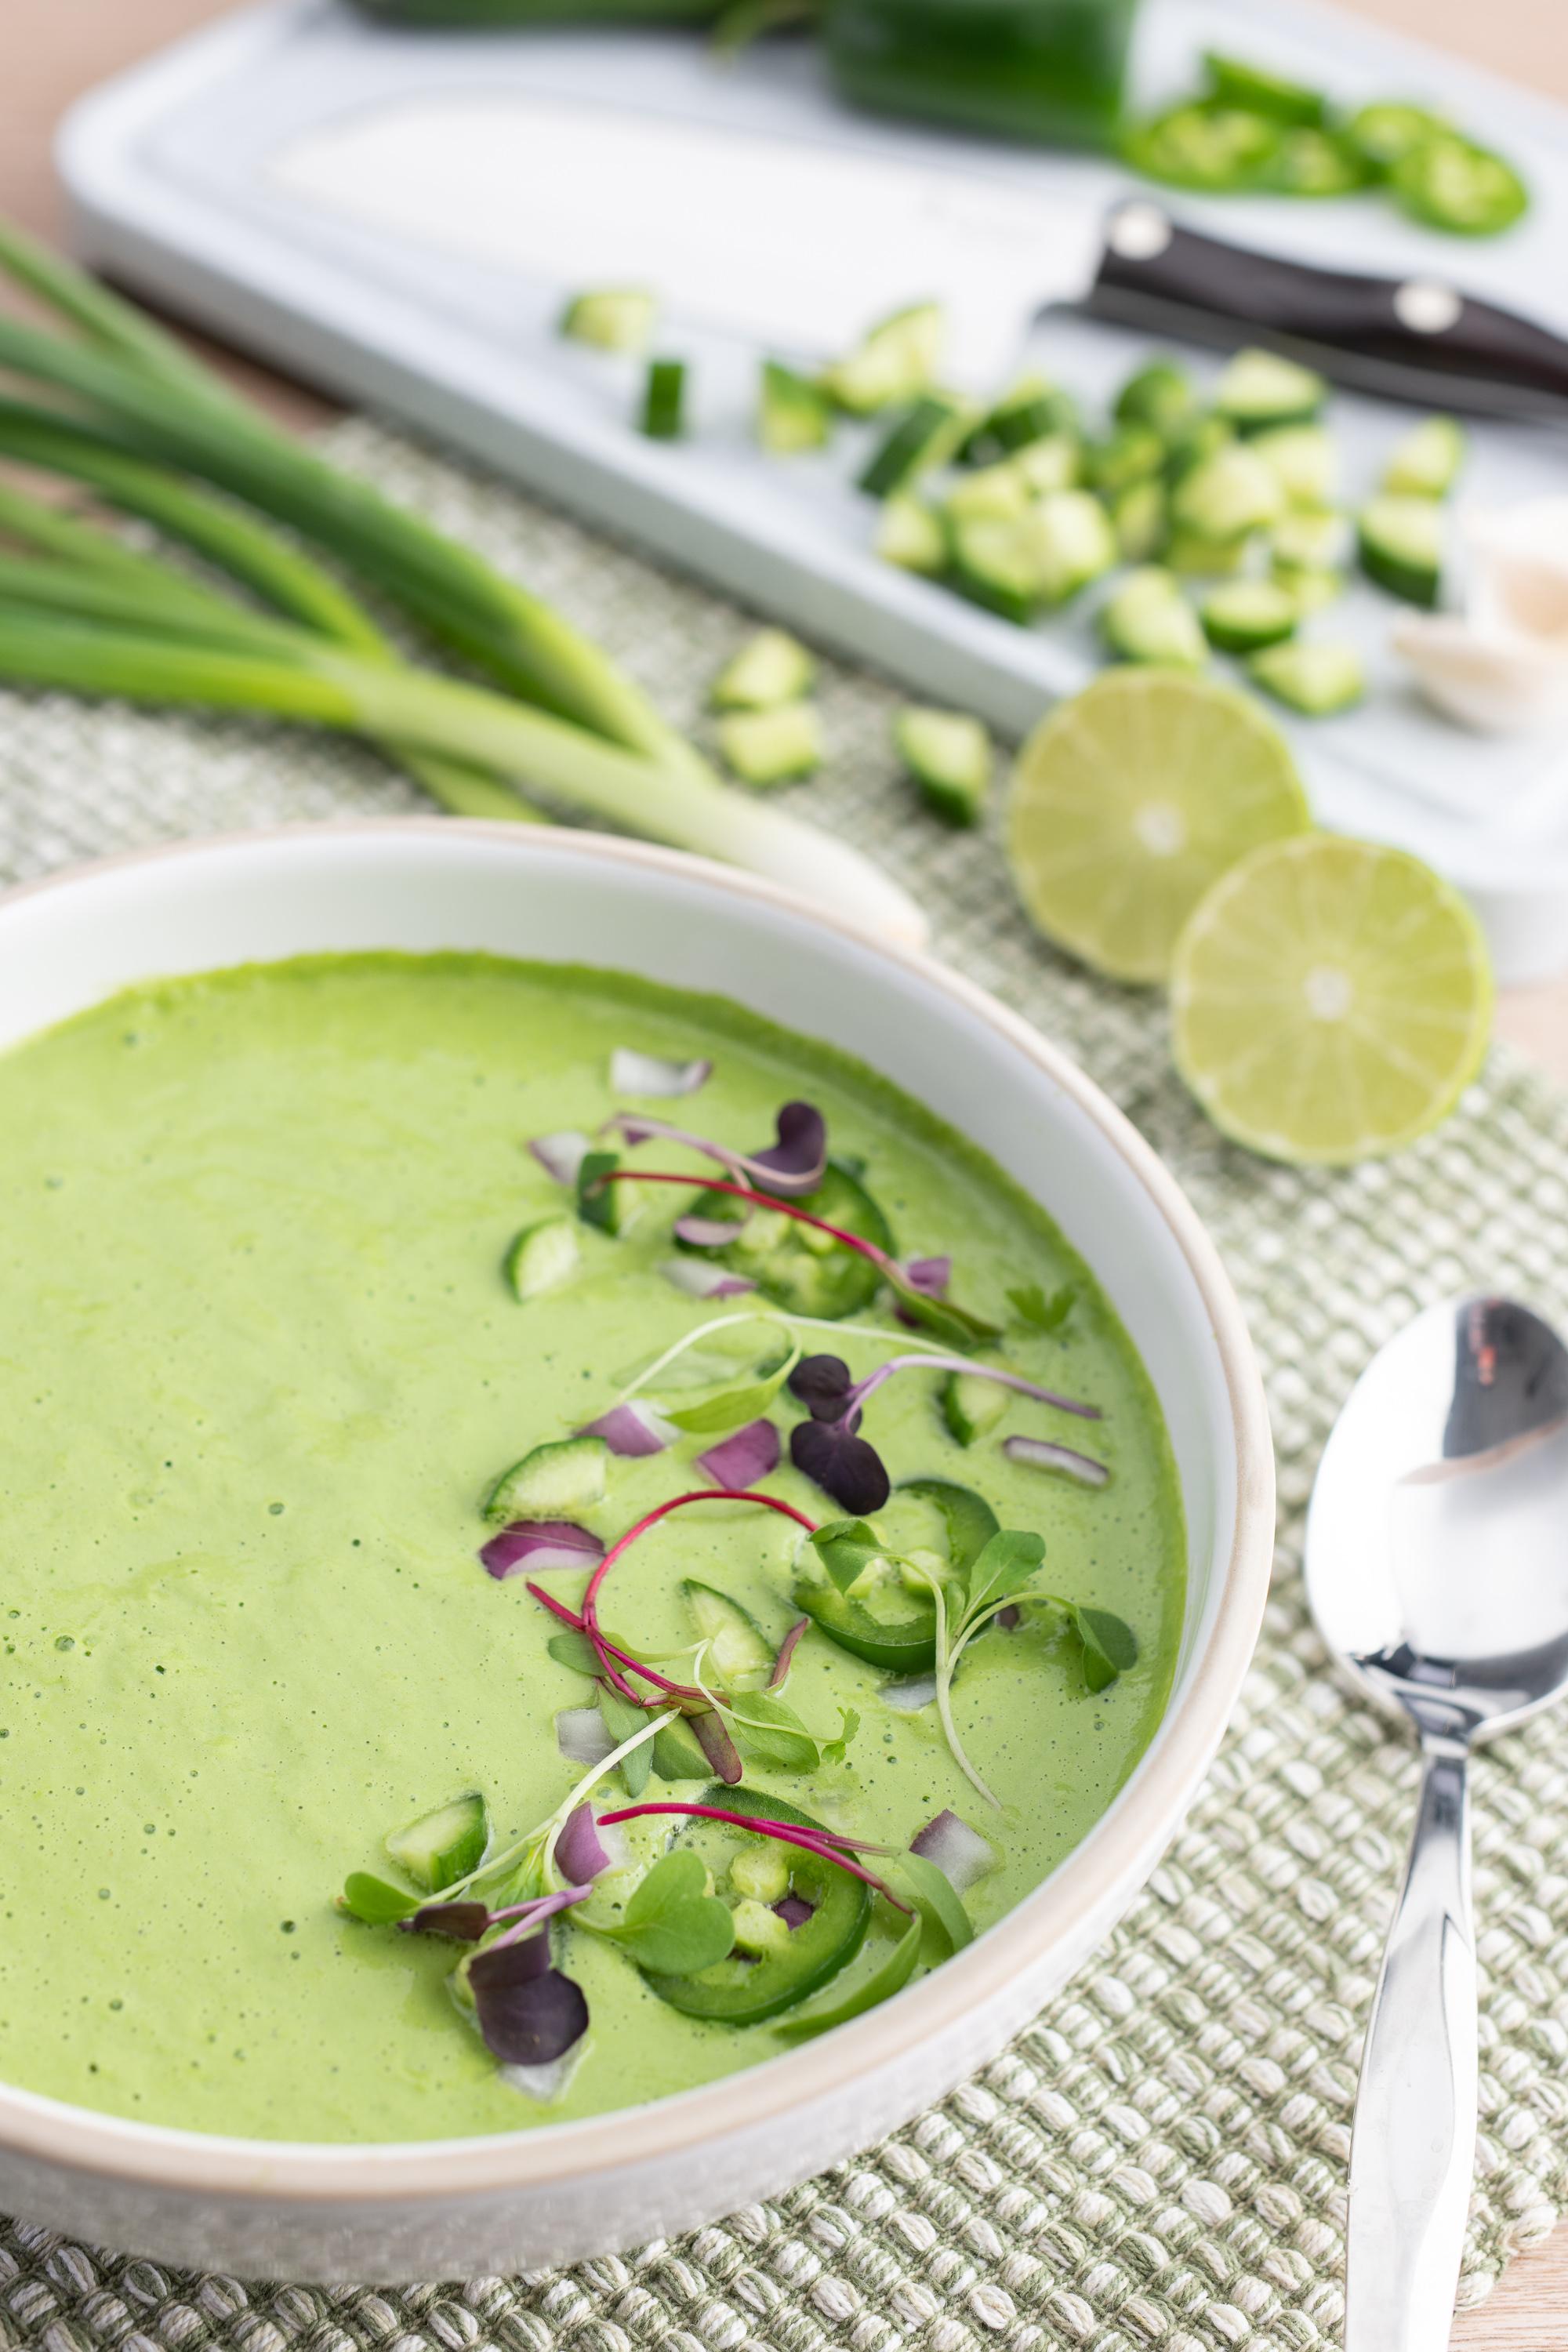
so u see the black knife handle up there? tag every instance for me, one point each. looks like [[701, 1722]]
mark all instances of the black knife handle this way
[[1412, 328]]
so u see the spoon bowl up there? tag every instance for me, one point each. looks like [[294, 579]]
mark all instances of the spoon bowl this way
[[1437, 1568]]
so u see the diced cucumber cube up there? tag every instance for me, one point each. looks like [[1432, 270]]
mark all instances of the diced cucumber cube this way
[[770, 668], [1259, 388], [1400, 542], [758, 1928], [664, 400], [1196, 556], [1032, 409], [995, 563], [1149, 620], [992, 494], [742, 1654], [617, 319], [1310, 586], [971, 1408], [1244, 615], [1055, 462], [1319, 539], [910, 534], [759, 1872], [1073, 540], [1160, 395], [772, 747], [1315, 679], [552, 1481], [442, 1847], [896, 359], [1306, 460], [1426, 463], [793, 412], [1201, 436], [1133, 454], [948, 755], [542, 1256], [922, 439], [1140, 517], [1235, 491]]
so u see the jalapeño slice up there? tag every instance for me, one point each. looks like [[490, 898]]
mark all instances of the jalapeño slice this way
[[902, 1641], [802, 1270], [747, 1990]]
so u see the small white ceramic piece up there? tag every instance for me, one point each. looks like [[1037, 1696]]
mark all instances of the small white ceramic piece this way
[[1501, 665], [514, 2201]]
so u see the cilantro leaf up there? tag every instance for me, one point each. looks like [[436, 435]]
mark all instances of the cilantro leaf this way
[[833, 1752], [1031, 1306], [847, 1548], [672, 1925]]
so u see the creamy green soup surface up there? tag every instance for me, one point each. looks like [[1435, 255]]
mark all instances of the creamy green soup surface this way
[[260, 1369]]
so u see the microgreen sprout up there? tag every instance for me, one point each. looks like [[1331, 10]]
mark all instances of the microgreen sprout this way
[[829, 1845]]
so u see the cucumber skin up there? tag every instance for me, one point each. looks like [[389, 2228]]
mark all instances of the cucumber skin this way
[[736, 1620], [971, 1408], [761, 752], [771, 669], [959, 799], [793, 413], [512, 1497], [1240, 637], [523, 1286], [1409, 578], [1279, 668], [664, 400], [433, 1867]]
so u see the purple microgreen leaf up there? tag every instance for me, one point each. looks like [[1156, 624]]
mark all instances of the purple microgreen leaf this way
[[1007, 1620], [528, 2016], [672, 1925], [581, 1735], [1031, 1306], [537, 1546], [465, 1923], [944, 1317], [708, 1233], [787, 1648], [632, 1430], [739, 1462], [374, 1901], [579, 1853], [700, 1279], [561, 1155], [1042, 1454], [797, 1162], [890, 1977], [959, 1853], [794, 1910], [632, 1073], [930, 1277], [713, 1737], [842, 1464], [823, 1385]]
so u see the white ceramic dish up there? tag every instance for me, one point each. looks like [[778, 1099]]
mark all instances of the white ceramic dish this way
[[468, 2207]]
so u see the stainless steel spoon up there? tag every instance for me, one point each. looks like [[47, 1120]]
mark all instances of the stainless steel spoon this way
[[1437, 1571]]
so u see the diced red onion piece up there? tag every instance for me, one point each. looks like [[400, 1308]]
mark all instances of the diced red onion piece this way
[[582, 1736], [543, 2084], [579, 1854], [632, 1073], [744, 1457], [562, 1154], [787, 1648], [632, 1429], [536, 1545], [700, 1279], [909, 1694], [1043, 1454], [931, 1275], [794, 1910], [708, 1233], [1008, 1618], [961, 1853], [713, 1737]]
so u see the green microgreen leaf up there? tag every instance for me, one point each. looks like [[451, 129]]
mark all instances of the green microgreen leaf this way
[[575, 1650], [374, 1901], [768, 1731], [735, 1407], [1008, 1560], [888, 1978], [944, 1921], [1109, 1644], [672, 1925], [943, 1317], [623, 1721], [847, 1548], [1031, 1305]]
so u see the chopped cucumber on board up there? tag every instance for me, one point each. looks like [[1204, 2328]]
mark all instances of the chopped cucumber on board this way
[[1259, 388], [664, 400], [1400, 542], [1074, 544], [1426, 463], [895, 361], [442, 1847], [1310, 586], [1232, 492], [993, 563], [770, 668], [1034, 409], [1316, 679], [995, 493], [1139, 516], [1134, 454], [1053, 463], [1242, 615], [924, 437], [619, 318], [910, 534], [1306, 460], [1149, 620], [950, 756], [1304, 538], [772, 747], [1160, 395], [793, 412]]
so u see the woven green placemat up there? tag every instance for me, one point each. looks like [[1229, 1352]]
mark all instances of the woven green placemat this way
[[1159, 2160]]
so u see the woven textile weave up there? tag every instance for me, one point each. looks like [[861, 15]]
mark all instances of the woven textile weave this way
[[1159, 2160]]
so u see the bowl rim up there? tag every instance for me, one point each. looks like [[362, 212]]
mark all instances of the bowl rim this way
[[1145, 1815]]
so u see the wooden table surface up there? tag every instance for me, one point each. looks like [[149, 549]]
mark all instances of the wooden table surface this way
[[55, 49]]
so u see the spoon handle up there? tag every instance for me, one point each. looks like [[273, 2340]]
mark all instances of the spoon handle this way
[[1412, 2155]]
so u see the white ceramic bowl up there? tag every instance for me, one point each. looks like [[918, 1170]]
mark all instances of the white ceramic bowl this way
[[463, 2207]]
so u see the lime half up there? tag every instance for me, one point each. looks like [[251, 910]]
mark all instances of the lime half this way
[[1130, 800], [1332, 1000]]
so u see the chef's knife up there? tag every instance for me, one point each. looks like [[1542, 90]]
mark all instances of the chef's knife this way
[[798, 244]]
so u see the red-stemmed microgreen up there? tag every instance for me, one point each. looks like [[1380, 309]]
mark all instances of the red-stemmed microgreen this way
[[796, 1162], [827, 1845]]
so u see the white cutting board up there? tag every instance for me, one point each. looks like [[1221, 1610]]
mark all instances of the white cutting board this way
[[400, 216]]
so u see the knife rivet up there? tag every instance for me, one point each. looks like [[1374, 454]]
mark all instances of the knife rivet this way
[[1427, 306], [1138, 232]]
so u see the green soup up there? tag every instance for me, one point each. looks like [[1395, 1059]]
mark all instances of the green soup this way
[[260, 1369]]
